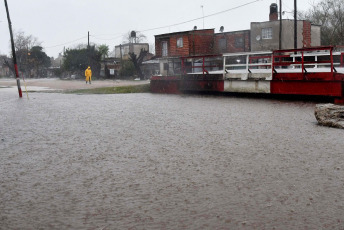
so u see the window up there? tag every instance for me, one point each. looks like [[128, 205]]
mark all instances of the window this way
[[179, 42], [267, 33], [239, 42], [164, 49], [222, 44]]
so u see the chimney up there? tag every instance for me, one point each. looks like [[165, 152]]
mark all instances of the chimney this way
[[273, 16]]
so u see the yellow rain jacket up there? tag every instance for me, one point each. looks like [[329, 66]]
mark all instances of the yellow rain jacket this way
[[88, 74]]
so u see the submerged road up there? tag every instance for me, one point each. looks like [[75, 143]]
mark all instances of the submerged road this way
[[147, 161]]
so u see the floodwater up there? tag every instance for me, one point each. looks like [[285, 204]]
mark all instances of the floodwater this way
[[149, 161]]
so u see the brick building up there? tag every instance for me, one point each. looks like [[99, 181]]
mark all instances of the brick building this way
[[232, 42], [170, 47], [187, 43], [262, 36]]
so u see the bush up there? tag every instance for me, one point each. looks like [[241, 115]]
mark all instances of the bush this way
[[127, 70]]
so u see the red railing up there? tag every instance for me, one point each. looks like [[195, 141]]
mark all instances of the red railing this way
[[280, 56], [305, 60]]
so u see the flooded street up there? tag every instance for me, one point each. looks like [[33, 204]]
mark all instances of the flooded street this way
[[149, 161]]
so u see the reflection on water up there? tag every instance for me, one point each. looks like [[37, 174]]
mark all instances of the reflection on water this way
[[143, 161]]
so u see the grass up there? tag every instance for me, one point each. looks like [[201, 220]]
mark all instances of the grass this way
[[113, 90]]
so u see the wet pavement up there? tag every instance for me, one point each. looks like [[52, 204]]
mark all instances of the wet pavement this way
[[149, 161]]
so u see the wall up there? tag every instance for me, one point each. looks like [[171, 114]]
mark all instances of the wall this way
[[306, 34], [230, 40], [175, 51], [158, 46], [195, 42], [316, 35], [132, 47], [304, 31], [201, 42]]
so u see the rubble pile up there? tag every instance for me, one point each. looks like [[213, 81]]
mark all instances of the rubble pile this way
[[330, 115]]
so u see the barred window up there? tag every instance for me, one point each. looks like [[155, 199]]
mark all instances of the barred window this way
[[267, 33]]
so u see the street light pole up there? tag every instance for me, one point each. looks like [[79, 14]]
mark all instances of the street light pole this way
[[13, 51]]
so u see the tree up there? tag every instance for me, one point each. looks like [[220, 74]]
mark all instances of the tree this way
[[103, 50], [31, 59], [330, 15], [38, 61], [23, 44], [128, 69], [77, 60], [137, 61]]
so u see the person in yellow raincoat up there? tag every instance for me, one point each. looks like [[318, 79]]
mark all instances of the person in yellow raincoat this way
[[88, 74]]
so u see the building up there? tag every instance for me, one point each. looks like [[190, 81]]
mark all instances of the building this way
[[265, 35], [122, 51], [4, 69], [232, 42], [262, 36], [187, 43], [150, 68], [110, 67], [170, 47]]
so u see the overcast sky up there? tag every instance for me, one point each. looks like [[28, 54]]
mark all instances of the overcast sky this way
[[65, 23]]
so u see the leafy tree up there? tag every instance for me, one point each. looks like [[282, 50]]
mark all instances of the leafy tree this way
[[103, 50], [77, 60], [38, 61], [38, 57], [330, 15], [128, 69]]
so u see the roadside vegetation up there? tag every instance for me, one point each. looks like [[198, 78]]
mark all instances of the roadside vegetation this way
[[113, 90]]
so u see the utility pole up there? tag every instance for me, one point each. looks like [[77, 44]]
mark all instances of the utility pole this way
[[203, 15], [13, 51], [280, 29], [295, 24], [88, 48]]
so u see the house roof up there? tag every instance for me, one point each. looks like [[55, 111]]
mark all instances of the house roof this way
[[133, 44], [233, 32], [181, 32]]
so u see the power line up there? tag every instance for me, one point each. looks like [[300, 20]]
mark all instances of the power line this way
[[66, 42], [106, 39], [207, 16], [161, 27]]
